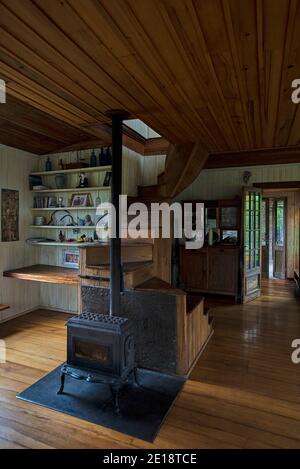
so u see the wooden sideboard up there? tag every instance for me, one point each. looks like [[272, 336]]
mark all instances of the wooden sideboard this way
[[212, 269]]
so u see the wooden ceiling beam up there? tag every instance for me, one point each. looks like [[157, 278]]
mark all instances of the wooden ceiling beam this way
[[149, 147], [254, 158]]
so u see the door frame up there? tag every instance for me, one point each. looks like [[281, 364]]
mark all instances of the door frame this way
[[256, 271], [285, 199], [284, 187], [266, 248]]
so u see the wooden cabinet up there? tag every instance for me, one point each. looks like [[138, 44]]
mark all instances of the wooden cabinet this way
[[212, 269], [194, 269], [223, 270]]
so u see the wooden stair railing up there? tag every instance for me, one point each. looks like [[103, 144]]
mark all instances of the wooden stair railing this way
[[183, 164]]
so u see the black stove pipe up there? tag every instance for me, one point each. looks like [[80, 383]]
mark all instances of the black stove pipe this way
[[117, 117]]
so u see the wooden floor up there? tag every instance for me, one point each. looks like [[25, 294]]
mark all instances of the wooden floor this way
[[243, 393]]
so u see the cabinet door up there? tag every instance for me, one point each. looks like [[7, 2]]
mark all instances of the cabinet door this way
[[194, 269], [222, 270]]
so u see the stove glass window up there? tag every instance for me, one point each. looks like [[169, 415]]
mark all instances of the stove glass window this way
[[89, 351]]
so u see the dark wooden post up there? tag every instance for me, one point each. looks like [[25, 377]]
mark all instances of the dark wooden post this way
[[117, 117]]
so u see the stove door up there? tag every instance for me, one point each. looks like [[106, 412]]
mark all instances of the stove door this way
[[95, 350]]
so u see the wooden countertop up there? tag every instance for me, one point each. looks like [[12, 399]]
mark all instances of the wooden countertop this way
[[46, 274]]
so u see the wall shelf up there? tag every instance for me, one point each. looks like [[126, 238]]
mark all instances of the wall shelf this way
[[72, 171], [53, 209], [59, 244], [60, 227], [75, 190]]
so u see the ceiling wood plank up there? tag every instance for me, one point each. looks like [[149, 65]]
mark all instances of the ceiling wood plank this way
[[216, 72]]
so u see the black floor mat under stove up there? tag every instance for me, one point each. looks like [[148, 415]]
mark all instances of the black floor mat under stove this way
[[143, 408]]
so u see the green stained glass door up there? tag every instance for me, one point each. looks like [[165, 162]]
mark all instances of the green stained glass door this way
[[279, 238], [251, 244]]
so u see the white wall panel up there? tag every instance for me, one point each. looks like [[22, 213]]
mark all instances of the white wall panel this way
[[15, 165]]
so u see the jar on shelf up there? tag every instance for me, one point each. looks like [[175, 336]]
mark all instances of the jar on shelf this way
[[60, 181]]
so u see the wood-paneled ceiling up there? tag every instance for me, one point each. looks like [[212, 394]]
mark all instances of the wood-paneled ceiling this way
[[215, 71], [24, 126]]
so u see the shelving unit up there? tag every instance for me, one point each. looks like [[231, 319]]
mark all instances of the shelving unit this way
[[63, 245], [60, 227], [96, 178], [52, 209], [73, 189], [72, 171]]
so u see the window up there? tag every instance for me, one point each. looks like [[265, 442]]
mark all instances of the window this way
[[279, 217], [252, 229]]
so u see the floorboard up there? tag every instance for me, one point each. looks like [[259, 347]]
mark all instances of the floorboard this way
[[244, 391]]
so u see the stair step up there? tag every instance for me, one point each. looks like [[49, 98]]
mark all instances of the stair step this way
[[156, 192], [158, 285], [134, 273], [130, 252], [127, 267], [192, 301]]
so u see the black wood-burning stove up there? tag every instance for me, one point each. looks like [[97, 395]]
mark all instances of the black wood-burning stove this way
[[102, 343], [100, 350], [101, 347]]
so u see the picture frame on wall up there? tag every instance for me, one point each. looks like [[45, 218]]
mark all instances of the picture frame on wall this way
[[10, 201], [70, 258]]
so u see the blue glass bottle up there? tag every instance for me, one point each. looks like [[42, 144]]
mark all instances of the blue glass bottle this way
[[93, 159], [102, 157], [108, 157], [48, 164]]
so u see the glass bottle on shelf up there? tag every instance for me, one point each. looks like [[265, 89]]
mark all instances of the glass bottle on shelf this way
[[102, 157], [108, 157], [48, 164], [97, 201], [93, 159]]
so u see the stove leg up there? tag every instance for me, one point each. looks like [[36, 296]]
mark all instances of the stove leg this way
[[135, 377], [62, 383], [115, 391]]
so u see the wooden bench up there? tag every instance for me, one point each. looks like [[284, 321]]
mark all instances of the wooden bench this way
[[3, 307]]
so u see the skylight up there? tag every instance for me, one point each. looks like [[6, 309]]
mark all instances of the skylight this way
[[141, 128]]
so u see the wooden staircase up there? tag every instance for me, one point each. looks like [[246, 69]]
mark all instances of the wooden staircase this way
[[147, 265], [142, 259], [183, 164], [137, 264], [147, 271]]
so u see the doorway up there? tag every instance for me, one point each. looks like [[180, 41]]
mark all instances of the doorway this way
[[274, 237], [270, 235]]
